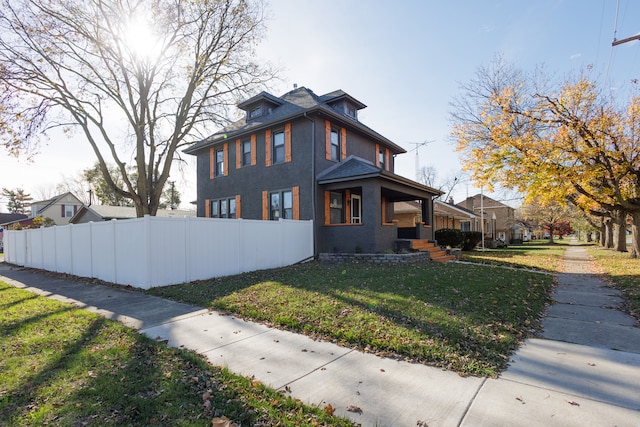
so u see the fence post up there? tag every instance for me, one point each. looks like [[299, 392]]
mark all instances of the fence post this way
[[115, 250], [91, 249]]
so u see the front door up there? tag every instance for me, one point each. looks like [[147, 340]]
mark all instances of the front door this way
[[356, 209]]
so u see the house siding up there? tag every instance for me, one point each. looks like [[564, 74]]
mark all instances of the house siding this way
[[248, 182]]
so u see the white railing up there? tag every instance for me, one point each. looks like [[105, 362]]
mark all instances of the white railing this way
[[154, 251]]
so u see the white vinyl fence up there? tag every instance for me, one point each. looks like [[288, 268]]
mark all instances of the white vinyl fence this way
[[153, 251]]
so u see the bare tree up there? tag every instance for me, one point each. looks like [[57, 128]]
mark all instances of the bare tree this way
[[139, 79]]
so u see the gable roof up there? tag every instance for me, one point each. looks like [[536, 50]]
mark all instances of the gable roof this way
[[474, 202], [296, 103], [352, 167], [6, 218], [52, 201], [454, 210], [356, 168]]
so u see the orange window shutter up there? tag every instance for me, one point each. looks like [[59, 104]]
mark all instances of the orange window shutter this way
[[212, 164], [344, 143], [226, 158], [207, 208], [265, 205], [377, 155], [327, 145], [253, 149], [386, 160], [287, 142], [267, 147], [347, 211], [238, 212], [296, 202], [327, 208], [238, 154]]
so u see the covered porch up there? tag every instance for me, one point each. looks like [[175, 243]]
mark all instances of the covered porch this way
[[357, 214]]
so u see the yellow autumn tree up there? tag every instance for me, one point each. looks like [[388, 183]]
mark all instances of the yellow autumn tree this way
[[567, 143]]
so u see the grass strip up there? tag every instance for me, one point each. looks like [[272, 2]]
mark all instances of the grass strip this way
[[535, 255], [624, 274], [64, 366], [467, 318]]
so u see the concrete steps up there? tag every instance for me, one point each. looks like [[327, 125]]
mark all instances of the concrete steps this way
[[435, 252]]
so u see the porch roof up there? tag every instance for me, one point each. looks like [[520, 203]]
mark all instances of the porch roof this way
[[354, 168]]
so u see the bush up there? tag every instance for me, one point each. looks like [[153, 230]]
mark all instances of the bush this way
[[470, 240], [449, 237]]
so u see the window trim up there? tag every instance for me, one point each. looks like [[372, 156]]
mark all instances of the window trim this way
[[246, 161], [282, 209], [274, 147], [346, 209], [337, 147], [219, 158], [214, 209]]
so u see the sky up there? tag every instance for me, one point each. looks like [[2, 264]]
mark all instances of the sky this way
[[406, 61]]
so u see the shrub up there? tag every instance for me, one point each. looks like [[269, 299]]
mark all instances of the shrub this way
[[449, 237], [471, 240]]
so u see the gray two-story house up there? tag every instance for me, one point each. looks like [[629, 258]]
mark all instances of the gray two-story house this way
[[307, 157]]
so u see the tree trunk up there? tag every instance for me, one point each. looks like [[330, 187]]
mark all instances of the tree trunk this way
[[588, 237], [635, 234], [608, 234], [620, 227]]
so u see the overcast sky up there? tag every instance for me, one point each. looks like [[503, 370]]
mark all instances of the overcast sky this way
[[405, 60]]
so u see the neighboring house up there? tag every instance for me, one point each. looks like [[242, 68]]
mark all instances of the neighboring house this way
[[60, 208], [499, 219], [307, 157], [97, 213], [6, 221], [448, 215]]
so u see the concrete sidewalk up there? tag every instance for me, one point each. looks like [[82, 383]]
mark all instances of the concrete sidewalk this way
[[585, 372]]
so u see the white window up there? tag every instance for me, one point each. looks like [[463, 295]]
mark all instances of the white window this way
[[278, 147], [223, 208], [356, 209], [281, 205], [335, 145]]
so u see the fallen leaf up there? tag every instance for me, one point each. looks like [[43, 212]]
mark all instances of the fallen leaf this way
[[329, 410], [591, 364], [221, 422], [206, 396], [571, 402], [355, 409], [520, 399], [382, 370]]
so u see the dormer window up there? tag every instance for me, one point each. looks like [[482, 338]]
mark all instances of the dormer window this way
[[351, 111], [255, 112]]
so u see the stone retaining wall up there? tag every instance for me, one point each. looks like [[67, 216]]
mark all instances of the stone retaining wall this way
[[376, 258]]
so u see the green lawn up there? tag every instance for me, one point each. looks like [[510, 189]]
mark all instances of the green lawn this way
[[467, 318], [624, 273], [535, 255], [64, 366]]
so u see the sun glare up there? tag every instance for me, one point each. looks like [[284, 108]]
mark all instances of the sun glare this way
[[139, 37]]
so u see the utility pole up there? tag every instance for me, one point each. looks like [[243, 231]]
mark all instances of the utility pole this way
[[628, 39]]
